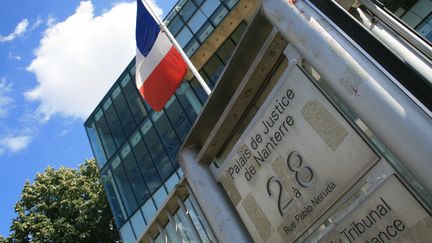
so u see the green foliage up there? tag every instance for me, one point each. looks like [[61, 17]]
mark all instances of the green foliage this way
[[64, 205]]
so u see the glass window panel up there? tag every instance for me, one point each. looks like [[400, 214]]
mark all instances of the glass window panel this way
[[238, 32], [149, 210], [95, 143], [198, 2], [171, 182], [230, 3], [134, 101], [156, 150], [132, 68], [175, 25], [213, 68], [205, 31], [125, 115], [159, 238], [167, 134], [425, 28], [184, 227], [218, 15], [127, 233], [184, 36], [199, 91], [145, 163], [114, 122], [209, 6], [180, 172], [191, 47], [138, 223], [187, 10], [113, 196], [178, 118], [197, 21], [197, 221], [123, 185], [134, 174], [171, 233], [226, 50], [104, 133], [189, 100], [160, 196], [206, 79]]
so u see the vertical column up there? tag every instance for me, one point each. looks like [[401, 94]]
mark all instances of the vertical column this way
[[219, 212]]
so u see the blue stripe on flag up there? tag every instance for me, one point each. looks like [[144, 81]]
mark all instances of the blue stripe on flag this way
[[147, 29]]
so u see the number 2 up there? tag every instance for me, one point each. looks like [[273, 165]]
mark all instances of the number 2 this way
[[281, 206]]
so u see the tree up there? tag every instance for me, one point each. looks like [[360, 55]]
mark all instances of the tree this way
[[64, 205]]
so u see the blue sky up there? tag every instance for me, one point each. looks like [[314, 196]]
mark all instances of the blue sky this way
[[57, 60]]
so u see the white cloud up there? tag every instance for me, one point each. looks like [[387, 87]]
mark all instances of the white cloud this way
[[14, 57], [14, 143], [80, 58], [20, 29], [37, 23], [5, 99], [50, 21]]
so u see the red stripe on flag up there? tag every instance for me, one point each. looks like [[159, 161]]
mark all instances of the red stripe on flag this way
[[164, 80]]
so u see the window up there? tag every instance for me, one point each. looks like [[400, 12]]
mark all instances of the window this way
[[189, 101], [156, 150], [205, 31], [238, 32], [196, 86], [226, 50], [191, 47], [209, 7], [138, 224], [178, 118], [104, 133], [184, 36], [113, 196], [95, 143], [134, 174], [213, 68], [167, 134], [127, 233], [187, 10], [134, 101], [230, 3], [150, 173], [218, 15], [175, 25], [114, 122], [197, 221], [123, 185], [149, 210], [197, 21], [125, 115]]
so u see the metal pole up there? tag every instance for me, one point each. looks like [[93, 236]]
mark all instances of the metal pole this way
[[178, 47], [219, 212], [401, 124]]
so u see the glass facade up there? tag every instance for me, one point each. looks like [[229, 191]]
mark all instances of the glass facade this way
[[136, 147], [415, 13]]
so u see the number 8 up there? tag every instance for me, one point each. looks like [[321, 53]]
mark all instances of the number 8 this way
[[297, 169]]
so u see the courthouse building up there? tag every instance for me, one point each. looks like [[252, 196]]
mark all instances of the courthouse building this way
[[318, 127]]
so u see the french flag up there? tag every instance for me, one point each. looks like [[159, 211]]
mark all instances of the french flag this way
[[159, 66]]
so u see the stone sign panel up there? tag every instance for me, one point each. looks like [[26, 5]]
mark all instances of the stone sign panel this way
[[390, 214], [296, 158]]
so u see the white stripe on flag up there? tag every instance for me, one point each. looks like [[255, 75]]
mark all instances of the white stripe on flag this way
[[146, 65]]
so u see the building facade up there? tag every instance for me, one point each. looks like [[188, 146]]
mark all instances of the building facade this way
[[137, 148]]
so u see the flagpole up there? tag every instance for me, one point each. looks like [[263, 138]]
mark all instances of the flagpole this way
[[178, 47]]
